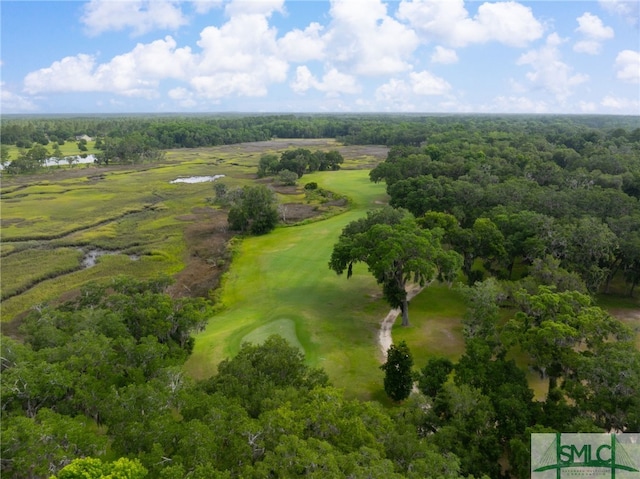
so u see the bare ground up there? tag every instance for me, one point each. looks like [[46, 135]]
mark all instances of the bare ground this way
[[384, 336]]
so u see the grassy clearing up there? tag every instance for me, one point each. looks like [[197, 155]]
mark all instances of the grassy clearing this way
[[285, 276], [285, 328], [70, 148], [436, 328]]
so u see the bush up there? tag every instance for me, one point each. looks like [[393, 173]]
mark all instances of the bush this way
[[255, 211], [287, 177]]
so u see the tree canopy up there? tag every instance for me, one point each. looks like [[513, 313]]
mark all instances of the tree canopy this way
[[396, 251]]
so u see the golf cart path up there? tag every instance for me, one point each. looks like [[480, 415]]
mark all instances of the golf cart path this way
[[384, 336]]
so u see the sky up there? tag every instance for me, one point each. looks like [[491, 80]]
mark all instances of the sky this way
[[338, 56]]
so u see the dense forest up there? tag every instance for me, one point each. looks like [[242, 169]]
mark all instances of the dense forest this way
[[533, 218], [576, 132]]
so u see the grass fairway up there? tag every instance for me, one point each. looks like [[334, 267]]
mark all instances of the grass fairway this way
[[283, 280]]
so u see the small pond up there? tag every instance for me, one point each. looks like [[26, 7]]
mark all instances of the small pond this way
[[196, 179], [91, 257]]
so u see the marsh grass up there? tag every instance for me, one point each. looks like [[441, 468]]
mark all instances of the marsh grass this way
[[27, 268], [130, 210]]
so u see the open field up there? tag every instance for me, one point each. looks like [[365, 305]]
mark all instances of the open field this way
[[70, 148]]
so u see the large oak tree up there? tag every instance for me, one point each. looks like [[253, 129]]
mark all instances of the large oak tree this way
[[396, 250]]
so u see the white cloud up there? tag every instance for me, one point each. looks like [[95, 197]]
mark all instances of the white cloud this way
[[621, 105], [591, 47], [591, 26], [204, 6], [135, 73], [588, 107], [448, 21], [303, 45], [12, 102], [254, 7], [410, 94], [219, 85], [183, 97], [69, 74], [142, 16], [628, 66], [365, 40], [549, 72], [241, 57], [627, 9], [333, 82], [444, 55], [516, 104], [594, 32], [425, 83]]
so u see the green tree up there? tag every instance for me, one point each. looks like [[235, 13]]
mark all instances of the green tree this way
[[547, 271], [92, 468], [466, 422], [398, 377], [591, 250], [287, 178], [483, 311], [4, 155], [268, 165], [295, 160], [556, 328], [433, 376], [257, 371], [38, 446], [395, 249], [331, 160], [255, 211], [482, 241], [606, 386], [522, 238]]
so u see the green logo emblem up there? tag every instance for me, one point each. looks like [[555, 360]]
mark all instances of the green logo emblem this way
[[585, 455]]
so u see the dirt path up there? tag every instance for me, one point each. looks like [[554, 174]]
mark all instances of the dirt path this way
[[384, 336]]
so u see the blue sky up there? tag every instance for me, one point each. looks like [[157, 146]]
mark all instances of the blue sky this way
[[122, 56]]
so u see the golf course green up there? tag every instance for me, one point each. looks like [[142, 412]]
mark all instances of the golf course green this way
[[281, 283]]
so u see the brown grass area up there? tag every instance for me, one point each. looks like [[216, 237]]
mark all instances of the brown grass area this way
[[207, 237]]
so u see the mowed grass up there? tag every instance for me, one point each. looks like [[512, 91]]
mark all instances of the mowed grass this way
[[70, 148], [435, 324], [283, 280]]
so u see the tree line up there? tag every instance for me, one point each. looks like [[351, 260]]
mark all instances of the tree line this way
[[600, 144], [189, 131]]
